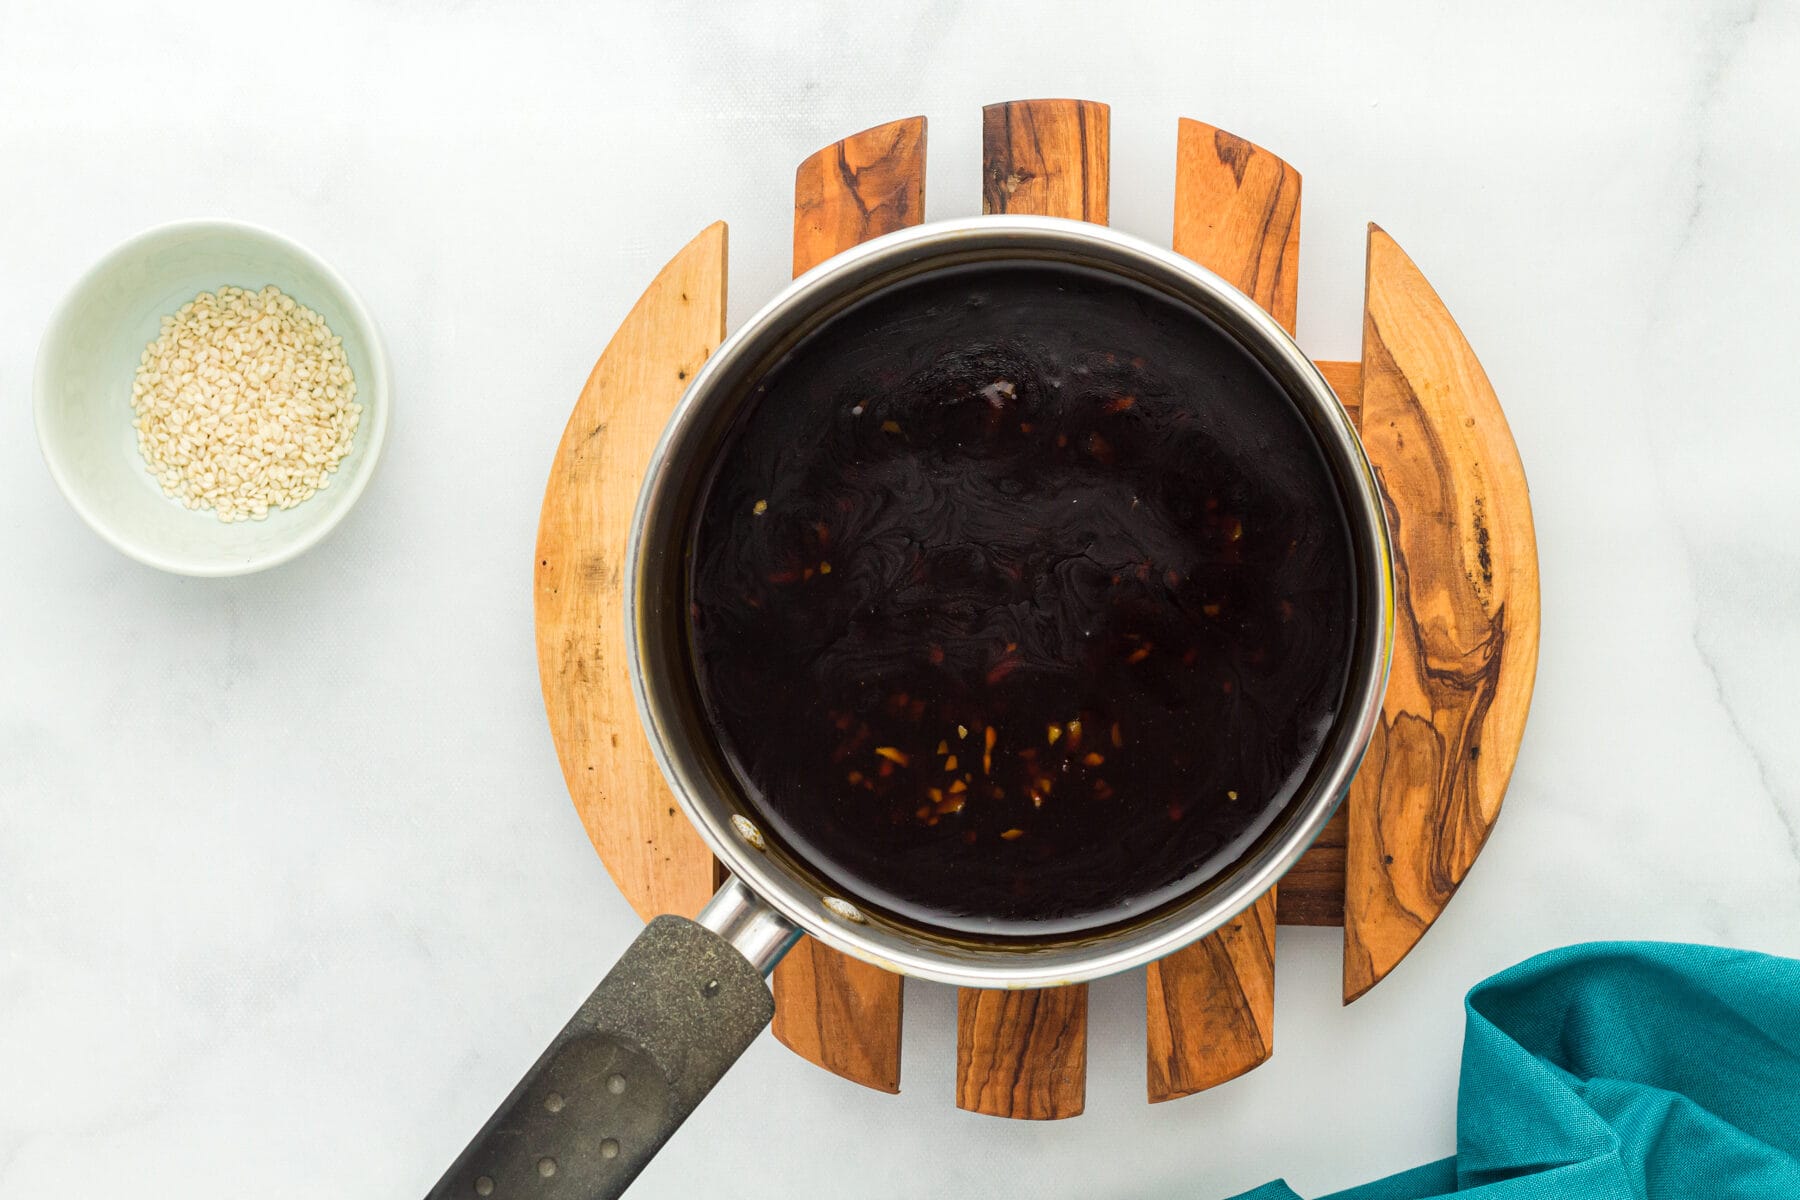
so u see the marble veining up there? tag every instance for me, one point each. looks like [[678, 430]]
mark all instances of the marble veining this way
[[1777, 802], [1724, 35], [290, 888]]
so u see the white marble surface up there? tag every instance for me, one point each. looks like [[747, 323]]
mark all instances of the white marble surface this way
[[290, 890]]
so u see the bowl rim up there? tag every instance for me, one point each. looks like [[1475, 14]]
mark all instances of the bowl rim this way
[[372, 433]]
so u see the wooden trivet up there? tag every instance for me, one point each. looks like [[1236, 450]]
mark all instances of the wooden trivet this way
[[1465, 649]]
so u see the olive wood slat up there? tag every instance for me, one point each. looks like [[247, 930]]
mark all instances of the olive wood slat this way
[[1466, 619], [651, 851], [1345, 379], [1024, 1054], [1312, 892], [869, 184], [1046, 158], [1237, 213], [831, 1009], [1210, 1008]]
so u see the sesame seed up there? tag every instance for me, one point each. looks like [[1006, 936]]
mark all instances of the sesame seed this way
[[244, 402]]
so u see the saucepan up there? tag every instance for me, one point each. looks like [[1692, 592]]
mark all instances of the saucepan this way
[[688, 997]]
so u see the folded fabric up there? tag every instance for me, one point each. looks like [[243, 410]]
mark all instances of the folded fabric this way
[[1622, 1071]]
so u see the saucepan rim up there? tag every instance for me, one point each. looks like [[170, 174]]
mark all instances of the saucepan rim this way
[[655, 620]]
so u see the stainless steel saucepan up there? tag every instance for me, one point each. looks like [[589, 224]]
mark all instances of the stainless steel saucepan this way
[[688, 997]]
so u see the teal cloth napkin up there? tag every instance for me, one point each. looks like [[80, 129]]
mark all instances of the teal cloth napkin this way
[[1622, 1071]]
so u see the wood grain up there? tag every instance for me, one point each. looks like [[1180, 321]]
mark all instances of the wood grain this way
[[1046, 158], [1466, 638], [1345, 379], [1210, 1008], [1312, 892], [1024, 1054], [840, 1013], [653, 854], [1237, 213], [862, 187], [833, 1010]]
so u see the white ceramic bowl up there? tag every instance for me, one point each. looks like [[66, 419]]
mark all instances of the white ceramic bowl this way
[[89, 357]]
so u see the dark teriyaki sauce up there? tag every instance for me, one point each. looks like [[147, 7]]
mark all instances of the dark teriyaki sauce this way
[[1021, 600]]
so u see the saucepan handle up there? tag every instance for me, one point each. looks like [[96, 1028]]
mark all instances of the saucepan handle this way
[[662, 1028]]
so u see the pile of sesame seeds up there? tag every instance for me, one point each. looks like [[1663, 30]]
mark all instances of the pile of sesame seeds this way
[[245, 402]]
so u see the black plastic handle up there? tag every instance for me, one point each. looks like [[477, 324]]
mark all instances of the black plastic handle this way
[[662, 1028]]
